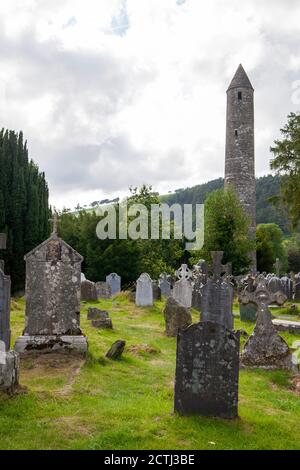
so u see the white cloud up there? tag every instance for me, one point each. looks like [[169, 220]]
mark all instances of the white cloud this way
[[112, 93]]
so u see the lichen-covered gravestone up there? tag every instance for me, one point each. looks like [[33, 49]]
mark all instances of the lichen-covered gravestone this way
[[88, 291], [5, 286], [207, 371], [144, 291], [183, 289], [114, 281], [265, 348], [217, 294], [52, 316], [199, 278], [103, 290], [100, 319], [176, 316], [248, 312], [9, 370]]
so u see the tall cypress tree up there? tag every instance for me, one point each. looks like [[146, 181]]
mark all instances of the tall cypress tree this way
[[24, 208]]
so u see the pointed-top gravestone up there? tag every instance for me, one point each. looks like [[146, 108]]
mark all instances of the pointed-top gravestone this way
[[144, 291], [265, 348], [114, 281], [52, 316]]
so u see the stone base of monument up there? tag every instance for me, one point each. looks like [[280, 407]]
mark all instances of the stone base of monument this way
[[76, 345], [9, 371]]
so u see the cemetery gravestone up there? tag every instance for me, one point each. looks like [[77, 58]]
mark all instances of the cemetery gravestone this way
[[183, 289], [248, 312], [217, 294], [265, 348], [114, 281], [207, 371], [88, 291], [9, 370], [200, 278], [52, 316], [156, 291], [287, 287], [100, 319], [116, 351], [144, 291], [103, 290], [165, 285], [176, 316], [5, 287]]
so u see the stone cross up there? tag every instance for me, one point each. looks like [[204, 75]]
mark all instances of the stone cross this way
[[184, 273], [278, 266], [216, 267], [265, 348], [262, 296], [55, 221]]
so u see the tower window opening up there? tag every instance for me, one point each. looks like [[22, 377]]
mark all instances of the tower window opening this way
[[240, 96], [236, 133]]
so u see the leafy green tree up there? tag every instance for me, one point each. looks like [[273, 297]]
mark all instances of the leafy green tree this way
[[226, 229], [286, 162], [269, 247], [292, 248]]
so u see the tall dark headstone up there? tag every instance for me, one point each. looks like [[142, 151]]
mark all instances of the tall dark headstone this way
[[240, 159], [207, 371], [217, 294]]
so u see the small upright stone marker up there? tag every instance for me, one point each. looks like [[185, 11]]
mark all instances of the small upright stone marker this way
[[9, 370], [88, 291], [116, 350], [177, 317], [144, 291], [52, 316], [114, 281], [103, 290]]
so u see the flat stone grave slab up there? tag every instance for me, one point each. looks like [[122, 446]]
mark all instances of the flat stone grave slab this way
[[287, 325]]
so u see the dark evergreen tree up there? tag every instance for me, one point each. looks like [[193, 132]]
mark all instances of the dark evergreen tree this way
[[24, 210]]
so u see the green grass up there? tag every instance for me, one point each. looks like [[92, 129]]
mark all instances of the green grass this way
[[128, 404]]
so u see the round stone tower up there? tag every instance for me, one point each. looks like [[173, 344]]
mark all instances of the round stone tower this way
[[240, 158]]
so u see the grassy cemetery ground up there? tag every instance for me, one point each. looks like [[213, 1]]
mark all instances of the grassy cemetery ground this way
[[66, 404]]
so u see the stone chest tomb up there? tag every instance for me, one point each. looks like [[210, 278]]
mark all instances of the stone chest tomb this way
[[52, 317]]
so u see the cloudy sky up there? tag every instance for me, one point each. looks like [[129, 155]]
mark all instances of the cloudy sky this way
[[113, 93]]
